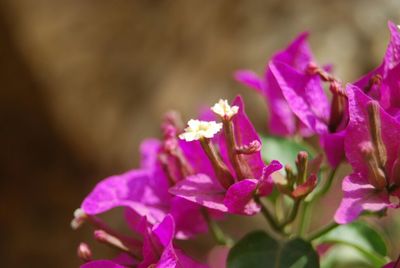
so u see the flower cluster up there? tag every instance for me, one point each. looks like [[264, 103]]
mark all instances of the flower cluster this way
[[195, 175]]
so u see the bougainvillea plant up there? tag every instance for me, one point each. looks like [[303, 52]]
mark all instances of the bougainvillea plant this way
[[192, 178]]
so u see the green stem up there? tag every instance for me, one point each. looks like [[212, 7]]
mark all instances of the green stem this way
[[308, 204], [267, 215], [216, 231], [292, 215], [325, 188], [322, 231], [305, 218]]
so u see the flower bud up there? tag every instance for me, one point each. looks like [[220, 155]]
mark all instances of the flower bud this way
[[84, 252], [376, 176], [108, 239], [79, 218], [251, 148], [376, 133], [301, 164], [337, 106], [305, 188]]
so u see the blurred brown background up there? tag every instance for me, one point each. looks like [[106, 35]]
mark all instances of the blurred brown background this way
[[82, 82]]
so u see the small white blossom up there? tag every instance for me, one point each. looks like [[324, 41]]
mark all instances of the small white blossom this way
[[200, 129], [223, 109]]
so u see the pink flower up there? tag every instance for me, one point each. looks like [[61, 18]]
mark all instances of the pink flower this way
[[297, 101], [373, 149], [145, 192], [239, 173], [383, 83], [282, 120], [157, 249]]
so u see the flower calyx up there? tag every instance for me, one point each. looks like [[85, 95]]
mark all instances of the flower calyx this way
[[299, 185]]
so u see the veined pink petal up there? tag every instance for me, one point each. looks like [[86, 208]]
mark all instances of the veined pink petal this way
[[333, 145], [201, 189], [130, 189], [188, 218], [358, 196], [239, 198], [250, 79], [358, 131], [282, 121], [304, 94], [297, 54], [266, 184], [245, 133], [392, 55]]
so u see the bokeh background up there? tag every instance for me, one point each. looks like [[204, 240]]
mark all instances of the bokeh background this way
[[82, 82]]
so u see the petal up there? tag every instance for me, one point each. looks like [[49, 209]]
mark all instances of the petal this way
[[201, 189], [188, 218], [297, 54], [152, 248], [101, 264], [130, 189], [196, 156], [358, 196], [281, 118], [125, 259], [250, 79], [245, 133], [186, 261], [158, 182], [165, 230], [392, 55], [392, 82], [239, 198], [333, 145], [173, 258], [304, 94], [358, 131], [266, 183], [149, 149]]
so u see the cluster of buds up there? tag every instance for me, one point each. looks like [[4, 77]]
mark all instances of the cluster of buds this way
[[171, 157], [298, 185]]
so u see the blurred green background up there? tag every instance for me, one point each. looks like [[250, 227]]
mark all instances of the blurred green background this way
[[82, 82]]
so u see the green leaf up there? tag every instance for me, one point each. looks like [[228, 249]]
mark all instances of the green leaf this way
[[258, 249], [362, 237], [284, 150]]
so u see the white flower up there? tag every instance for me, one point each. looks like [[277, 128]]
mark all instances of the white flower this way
[[200, 129], [223, 109]]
